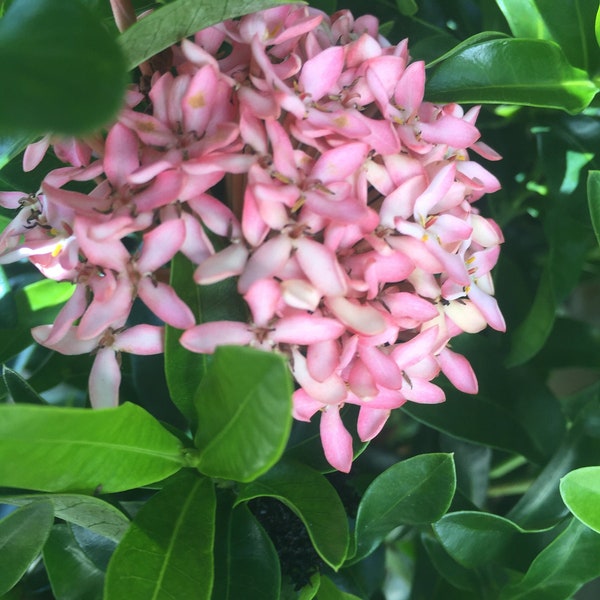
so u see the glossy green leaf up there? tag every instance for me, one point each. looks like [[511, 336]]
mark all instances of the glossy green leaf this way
[[571, 25], [542, 506], [524, 19], [511, 71], [90, 512], [248, 566], [307, 492], [70, 80], [180, 19], [168, 551], [244, 411], [561, 568], [478, 38], [22, 535], [72, 573], [68, 449], [597, 27], [462, 578], [329, 591], [415, 491], [19, 388], [580, 491], [593, 192], [475, 538]]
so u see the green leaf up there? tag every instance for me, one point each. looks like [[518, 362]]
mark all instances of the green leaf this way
[[47, 293], [19, 388], [489, 423], [246, 563], [168, 550], [571, 24], [568, 241], [415, 491], [70, 80], [593, 192], [245, 413], [561, 568], [511, 71], [542, 506], [580, 491], [179, 19], [475, 538], [22, 535], [86, 511], [184, 369], [329, 591], [69, 449], [10, 147], [524, 19], [460, 577], [72, 573], [313, 499]]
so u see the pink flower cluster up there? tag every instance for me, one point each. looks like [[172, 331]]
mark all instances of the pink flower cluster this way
[[348, 212]]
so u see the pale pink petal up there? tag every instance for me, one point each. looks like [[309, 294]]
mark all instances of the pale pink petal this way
[[34, 153], [121, 154], [304, 407], [320, 74], [370, 422], [451, 131], [110, 312], [339, 163], [226, 263], [68, 314], [160, 245], [337, 442], [69, 343], [162, 300], [423, 391], [411, 352], [361, 381], [381, 366], [205, 338], [162, 191], [322, 358], [458, 370], [198, 101], [298, 293], [329, 391], [105, 379], [361, 318], [321, 267], [488, 306], [263, 297], [140, 339], [306, 329], [466, 315], [265, 261], [411, 87]]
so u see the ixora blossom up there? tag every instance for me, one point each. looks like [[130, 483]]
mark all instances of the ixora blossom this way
[[346, 202]]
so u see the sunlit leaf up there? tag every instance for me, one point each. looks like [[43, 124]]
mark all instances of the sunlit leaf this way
[[580, 490], [244, 411], [511, 71], [55, 449], [168, 550], [561, 568]]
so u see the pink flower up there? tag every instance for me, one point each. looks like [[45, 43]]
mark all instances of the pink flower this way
[[306, 164]]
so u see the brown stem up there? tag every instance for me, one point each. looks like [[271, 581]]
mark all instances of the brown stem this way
[[124, 13]]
